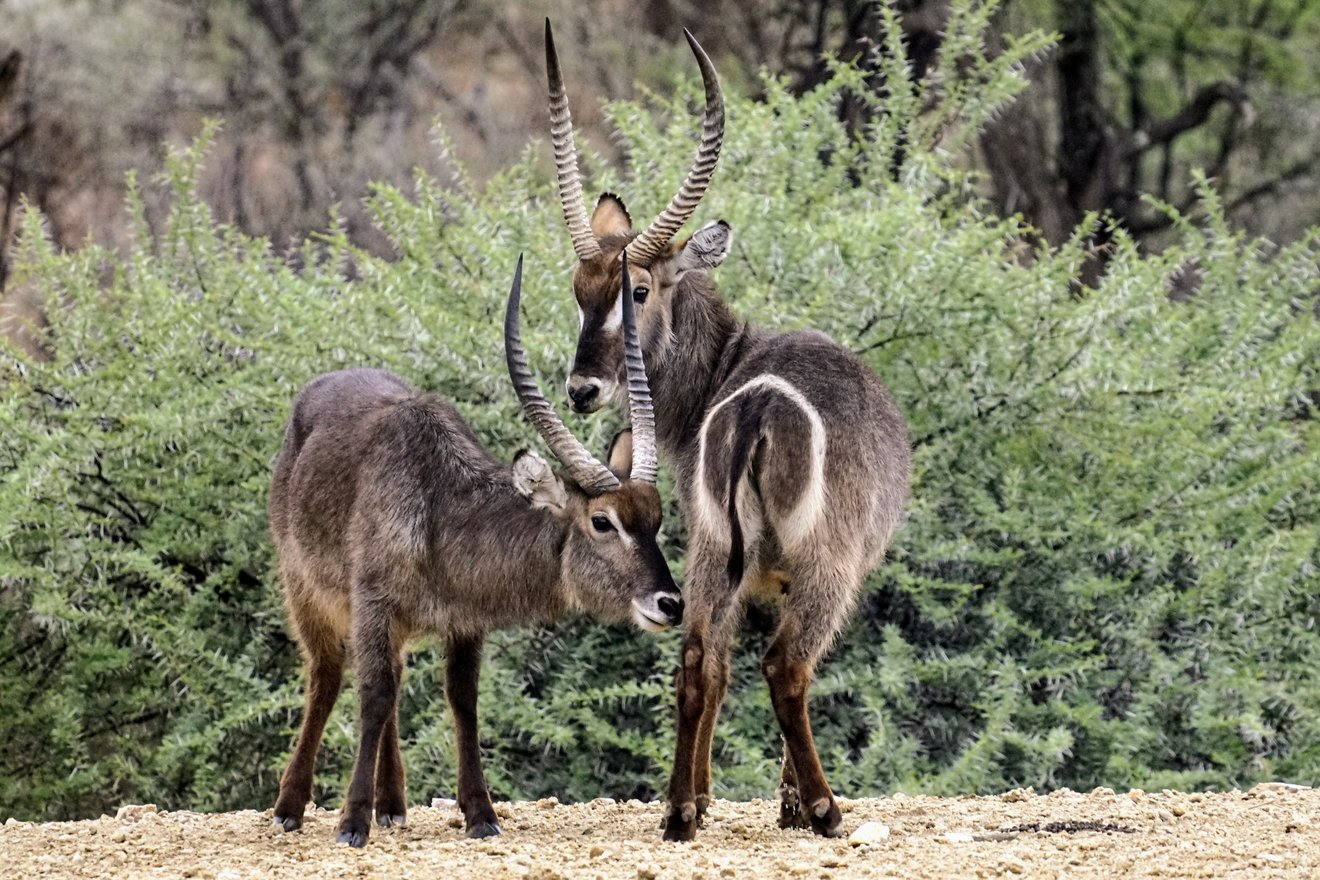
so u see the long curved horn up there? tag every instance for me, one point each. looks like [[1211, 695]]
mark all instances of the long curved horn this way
[[640, 410], [561, 134], [590, 474], [644, 247]]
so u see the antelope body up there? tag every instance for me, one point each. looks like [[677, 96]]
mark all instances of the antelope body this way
[[390, 520], [791, 458]]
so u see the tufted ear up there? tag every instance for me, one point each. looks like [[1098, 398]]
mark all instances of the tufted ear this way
[[610, 217], [538, 483], [620, 454], [705, 250]]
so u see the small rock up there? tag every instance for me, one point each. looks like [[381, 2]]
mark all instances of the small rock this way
[[958, 837], [869, 832], [603, 802], [1281, 786], [1101, 791], [800, 868], [1136, 794], [1018, 794], [547, 803], [834, 862], [597, 850], [1178, 810], [134, 811], [1013, 866], [1164, 815], [443, 803], [11, 822], [648, 872], [119, 835], [1271, 857]]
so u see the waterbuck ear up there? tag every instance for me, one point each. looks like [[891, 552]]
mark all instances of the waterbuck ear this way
[[610, 217], [535, 481], [705, 250], [620, 454]]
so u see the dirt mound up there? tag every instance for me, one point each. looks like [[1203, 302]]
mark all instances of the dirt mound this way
[[1271, 831]]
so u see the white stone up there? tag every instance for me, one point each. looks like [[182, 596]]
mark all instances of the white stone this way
[[869, 832]]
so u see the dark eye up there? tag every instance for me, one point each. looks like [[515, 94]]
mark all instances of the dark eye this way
[[640, 294], [601, 523]]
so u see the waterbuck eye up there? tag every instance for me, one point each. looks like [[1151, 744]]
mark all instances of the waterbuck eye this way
[[640, 294], [601, 523]]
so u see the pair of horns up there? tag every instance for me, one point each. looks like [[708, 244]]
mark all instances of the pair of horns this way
[[594, 477], [644, 248]]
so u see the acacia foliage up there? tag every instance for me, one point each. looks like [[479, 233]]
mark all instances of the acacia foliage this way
[[1108, 574]]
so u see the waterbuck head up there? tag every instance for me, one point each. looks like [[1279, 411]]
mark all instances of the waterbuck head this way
[[656, 264], [611, 563]]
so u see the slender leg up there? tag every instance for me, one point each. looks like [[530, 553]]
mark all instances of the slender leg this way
[[323, 649], [715, 674], [462, 666], [789, 679], [391, 789], [376, 655], [680, 821]]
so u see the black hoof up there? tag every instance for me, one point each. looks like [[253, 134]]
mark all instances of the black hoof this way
[[483, 829], [354, 837], [288, 823], [391, 820], [680, 824]]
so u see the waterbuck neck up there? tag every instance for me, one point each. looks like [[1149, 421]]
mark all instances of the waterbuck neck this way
[[707, 341]]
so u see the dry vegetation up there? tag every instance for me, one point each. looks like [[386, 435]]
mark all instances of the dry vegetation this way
[[1273, 830]]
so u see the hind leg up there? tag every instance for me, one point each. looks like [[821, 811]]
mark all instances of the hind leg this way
[[699, 688], [715, 674], [323, 648], [376, 652], [813, 613], [391, 788]]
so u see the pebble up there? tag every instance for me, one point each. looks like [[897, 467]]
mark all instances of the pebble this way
[[547, 803], [1018, 794], [133, 811], [443, 803], [869, 832], [958, 837]]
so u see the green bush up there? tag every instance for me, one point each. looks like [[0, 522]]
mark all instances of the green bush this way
[[1108, 575]]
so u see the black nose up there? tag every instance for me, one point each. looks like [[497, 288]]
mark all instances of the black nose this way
[[672, 606], [583, 395]]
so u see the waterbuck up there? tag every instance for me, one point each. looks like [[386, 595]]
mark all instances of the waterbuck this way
[[390, 521], [791, 458]]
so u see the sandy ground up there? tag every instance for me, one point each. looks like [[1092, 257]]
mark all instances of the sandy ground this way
[[1271, 831]]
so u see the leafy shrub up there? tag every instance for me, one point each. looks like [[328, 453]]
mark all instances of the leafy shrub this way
[[1108, 575]]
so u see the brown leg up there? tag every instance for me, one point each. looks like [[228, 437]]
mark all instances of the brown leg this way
[[324, 651], [791, 814], [715, 682], [391, 790], [789, 675], [680, 821], [462, 666], [376, 656]]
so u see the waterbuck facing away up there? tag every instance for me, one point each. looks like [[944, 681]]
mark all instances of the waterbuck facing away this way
[[791, 458], [390, 521]]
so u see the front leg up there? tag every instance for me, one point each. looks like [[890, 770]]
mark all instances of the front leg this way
[[462, 666]]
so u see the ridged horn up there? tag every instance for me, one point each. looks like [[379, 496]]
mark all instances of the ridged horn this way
[[566, 168], [594, 477], [640, 410], [644, 247]]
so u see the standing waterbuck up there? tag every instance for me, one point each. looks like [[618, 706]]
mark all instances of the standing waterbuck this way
[[791, 458], [390, 521]]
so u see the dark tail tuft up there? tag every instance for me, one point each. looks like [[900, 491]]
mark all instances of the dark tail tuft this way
[[747, 432]]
